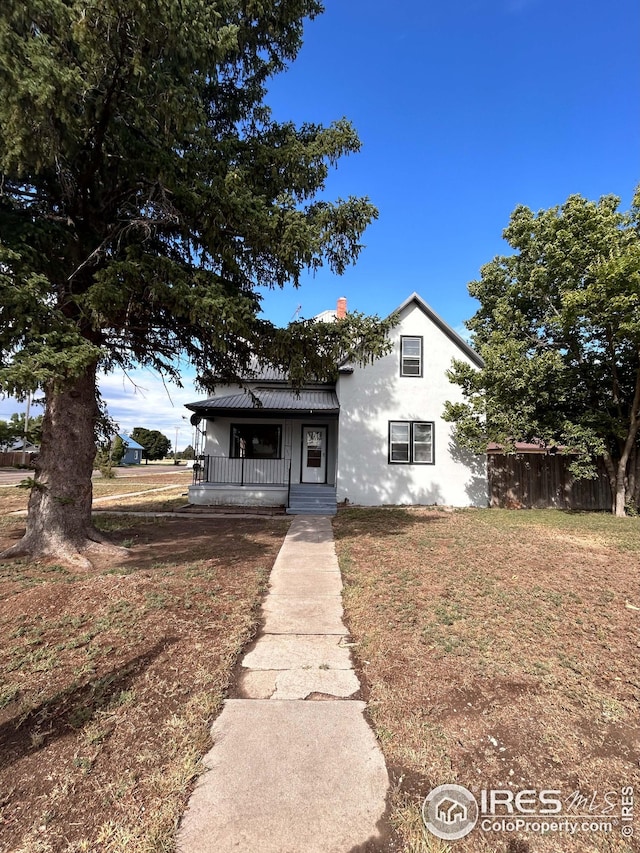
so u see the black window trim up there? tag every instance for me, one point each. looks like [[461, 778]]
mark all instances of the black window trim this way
[[411, 460], [420, 374], [276, 424]]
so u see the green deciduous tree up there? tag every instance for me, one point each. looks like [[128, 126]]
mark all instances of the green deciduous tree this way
[[14, 429], [559, 330], [156, 445], [145, 192], [117, 451]]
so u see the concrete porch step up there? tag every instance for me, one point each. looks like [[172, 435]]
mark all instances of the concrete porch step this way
[[312, 499], [312, 511], [313, 488]]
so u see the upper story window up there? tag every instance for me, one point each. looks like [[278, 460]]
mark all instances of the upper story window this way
[[410, 356]]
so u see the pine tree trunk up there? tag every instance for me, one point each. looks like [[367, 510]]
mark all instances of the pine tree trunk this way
[[59, 521]]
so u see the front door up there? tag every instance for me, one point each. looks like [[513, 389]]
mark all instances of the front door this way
[[314, 454]]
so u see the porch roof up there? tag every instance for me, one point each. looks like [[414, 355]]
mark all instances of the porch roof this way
[[282, 402]]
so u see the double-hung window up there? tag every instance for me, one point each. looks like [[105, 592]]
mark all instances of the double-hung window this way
[[399, 441], [410, 356], [411, 442]]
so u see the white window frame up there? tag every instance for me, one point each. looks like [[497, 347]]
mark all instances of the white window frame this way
[[416, 444], [393, 454], [411, 431], [411, 358]]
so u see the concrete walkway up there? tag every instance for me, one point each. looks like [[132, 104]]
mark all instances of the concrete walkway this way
[[287, 774]]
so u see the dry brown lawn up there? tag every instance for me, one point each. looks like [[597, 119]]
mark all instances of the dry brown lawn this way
[[496, 649], [110, 679], [500, 649]]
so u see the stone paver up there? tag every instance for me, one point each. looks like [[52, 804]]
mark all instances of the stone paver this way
[[285, 614], [295, 651], [288, 774], [287, 777], [297, 684], [307, 583]]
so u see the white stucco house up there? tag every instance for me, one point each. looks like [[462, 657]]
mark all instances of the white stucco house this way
[[375, 436]]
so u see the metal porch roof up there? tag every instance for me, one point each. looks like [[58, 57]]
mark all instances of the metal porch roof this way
[[282, 402]]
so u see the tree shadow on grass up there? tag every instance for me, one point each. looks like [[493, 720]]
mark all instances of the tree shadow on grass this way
[[191, 539], [70, 709], [383, 521]]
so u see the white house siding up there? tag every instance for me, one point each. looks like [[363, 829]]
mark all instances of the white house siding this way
[[374, 395]]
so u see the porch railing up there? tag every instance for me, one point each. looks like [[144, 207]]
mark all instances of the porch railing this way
[[241, 472]]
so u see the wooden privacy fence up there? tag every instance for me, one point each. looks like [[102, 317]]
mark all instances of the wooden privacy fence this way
[[540, 480], [13, 458]]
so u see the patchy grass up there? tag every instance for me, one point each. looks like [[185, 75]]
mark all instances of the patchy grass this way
[[110, 679], [500, 649], [150, 501], [14, 498], [140, 482]]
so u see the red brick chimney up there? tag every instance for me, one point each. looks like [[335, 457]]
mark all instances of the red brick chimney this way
[[341, 308]]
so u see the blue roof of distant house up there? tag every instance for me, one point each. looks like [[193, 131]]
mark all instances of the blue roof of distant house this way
[[130, 443]]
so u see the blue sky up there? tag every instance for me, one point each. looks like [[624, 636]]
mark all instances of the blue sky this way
[[464, 110]]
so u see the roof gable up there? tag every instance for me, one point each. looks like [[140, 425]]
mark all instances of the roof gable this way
[[444, 327], [129, 442]]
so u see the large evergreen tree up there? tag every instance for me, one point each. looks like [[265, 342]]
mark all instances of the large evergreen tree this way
[[145, 191], [559, 331]]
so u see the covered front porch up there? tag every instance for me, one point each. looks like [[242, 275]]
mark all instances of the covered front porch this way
[[267, 448]]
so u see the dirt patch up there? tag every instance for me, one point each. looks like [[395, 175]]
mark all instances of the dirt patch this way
[[13, 498], [499, 651], [111, 678]]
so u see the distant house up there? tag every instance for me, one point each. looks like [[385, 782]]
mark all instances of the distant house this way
[[22, 445], [132, 450], [18, 452], [374, 436]]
